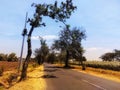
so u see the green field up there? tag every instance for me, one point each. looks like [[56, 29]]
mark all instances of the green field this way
[[104, 65]]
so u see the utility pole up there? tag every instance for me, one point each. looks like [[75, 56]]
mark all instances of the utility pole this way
[[23, 34]]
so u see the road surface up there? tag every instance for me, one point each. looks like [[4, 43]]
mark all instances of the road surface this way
[[66, 79]]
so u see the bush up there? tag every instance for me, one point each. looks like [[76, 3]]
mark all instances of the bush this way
[[34, 65], [12, 57], [3, 57], [12, 78], [51, 58], [6, 57]]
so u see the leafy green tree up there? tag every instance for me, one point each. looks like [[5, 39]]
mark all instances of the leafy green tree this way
[[111, 56], [63, 43], [117, 54], [3, 57], [12, 57], [38, 56], [77, 49], [70, 42], [108, 56], [51, 58], [61, 57], [42, 52], [59, 13]]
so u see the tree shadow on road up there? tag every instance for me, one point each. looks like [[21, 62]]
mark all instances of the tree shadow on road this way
[[49, 76], [50, 70], [63, 67]]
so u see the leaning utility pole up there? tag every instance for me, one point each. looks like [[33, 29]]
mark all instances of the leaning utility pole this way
[[23, 34]]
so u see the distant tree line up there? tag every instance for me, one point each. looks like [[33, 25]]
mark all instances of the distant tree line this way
[[8, 57], [111, 56]]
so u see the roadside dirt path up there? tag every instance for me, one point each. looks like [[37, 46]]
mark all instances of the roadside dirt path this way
[[33, 82]]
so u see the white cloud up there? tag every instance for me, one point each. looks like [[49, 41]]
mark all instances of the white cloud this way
[[46, 37], [93, 53], [92, 49], [50, 37], [35, 37]]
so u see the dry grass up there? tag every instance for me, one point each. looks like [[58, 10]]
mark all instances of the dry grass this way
[[33, 82], [10, 69], [107, 74]]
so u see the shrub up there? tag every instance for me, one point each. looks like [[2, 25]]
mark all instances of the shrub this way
[[51, 58], [12, 57], [34, 65], [3, 57], [12, 78]]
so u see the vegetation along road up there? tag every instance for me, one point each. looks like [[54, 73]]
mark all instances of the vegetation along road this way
[[67, 79]]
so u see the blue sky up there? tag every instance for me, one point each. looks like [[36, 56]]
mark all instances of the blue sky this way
[[100, 19]]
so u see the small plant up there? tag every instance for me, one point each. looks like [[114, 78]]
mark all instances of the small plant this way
[[34, 65], [12, 78], [1, 70]]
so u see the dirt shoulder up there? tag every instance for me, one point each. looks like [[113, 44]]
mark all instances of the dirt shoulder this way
[[33, 82], [9, 66]]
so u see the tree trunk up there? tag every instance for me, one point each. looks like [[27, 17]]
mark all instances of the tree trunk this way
[[26, 62], [67, 58], [82, 64]]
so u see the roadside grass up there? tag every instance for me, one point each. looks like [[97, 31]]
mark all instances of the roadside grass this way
[[34, 80], [10, 76], [32, 66], [8, 70]]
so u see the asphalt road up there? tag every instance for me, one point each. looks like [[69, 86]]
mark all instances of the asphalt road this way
[[66, 79]]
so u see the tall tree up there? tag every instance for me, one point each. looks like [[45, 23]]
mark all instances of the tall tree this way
[[42, 52], [77, 51], [109, 56], [117, 54], [59, 13], [51, 57], [70, 41], [12, 57], [3, 57]]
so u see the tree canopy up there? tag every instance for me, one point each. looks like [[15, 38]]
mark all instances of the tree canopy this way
[[59, 12], [70, 42], [42, 52], [111, 56]]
